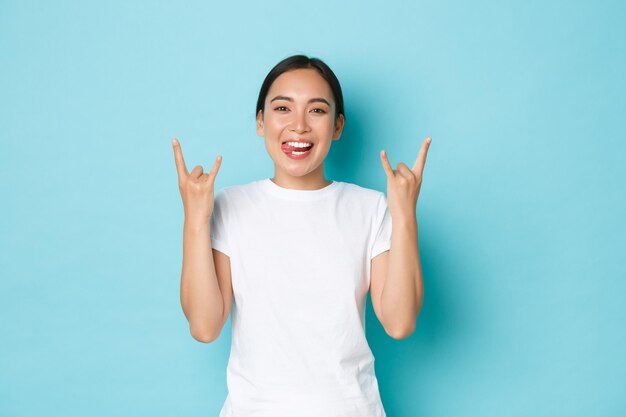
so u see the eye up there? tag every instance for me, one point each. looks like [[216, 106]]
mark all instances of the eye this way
[[321, 111], [280, 108]]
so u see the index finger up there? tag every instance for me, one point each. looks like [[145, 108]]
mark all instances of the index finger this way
[[181, 168], [418, 167]]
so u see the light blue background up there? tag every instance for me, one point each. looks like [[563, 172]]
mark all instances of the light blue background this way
[[521, 214]]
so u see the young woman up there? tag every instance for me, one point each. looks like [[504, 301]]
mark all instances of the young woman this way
[[297, 254]]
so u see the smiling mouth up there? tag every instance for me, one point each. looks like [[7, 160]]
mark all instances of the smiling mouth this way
[[287, 148], [296, 152]]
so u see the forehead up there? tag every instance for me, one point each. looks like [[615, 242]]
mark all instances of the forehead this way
[[302, 82]]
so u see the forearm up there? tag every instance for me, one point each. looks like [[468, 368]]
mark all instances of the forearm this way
[[200, 294], [403, 292]]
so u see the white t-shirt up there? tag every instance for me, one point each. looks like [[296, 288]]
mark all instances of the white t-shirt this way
[[300, 266]]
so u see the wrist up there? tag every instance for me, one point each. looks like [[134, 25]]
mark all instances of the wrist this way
[[196, 225], [404, 219]]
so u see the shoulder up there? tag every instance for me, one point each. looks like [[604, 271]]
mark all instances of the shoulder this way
[[363, 194], [231, 192], [239, 198]]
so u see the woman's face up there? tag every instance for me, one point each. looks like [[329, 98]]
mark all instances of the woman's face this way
[[299, 106]]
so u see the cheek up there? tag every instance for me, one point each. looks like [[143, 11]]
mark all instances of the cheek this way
[[321, 122], [274, 123], [329, 125]]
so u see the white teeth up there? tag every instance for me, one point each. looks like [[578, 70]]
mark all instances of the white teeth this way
[[299, 144]]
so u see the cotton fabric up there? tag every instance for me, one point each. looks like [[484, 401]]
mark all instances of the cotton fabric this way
[[300, 268]]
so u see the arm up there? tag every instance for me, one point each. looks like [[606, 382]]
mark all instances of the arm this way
[[399, 280], [403, 289], [200, 294]]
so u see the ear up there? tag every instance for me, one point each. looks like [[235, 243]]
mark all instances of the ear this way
[[259, 124], [339, 123]]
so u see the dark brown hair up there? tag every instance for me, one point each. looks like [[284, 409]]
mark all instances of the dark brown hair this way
[[296, 62]]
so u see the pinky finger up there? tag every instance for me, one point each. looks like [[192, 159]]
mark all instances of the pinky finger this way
[[216, 166], [386, 165]]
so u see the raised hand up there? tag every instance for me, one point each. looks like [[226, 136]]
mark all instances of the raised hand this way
[[403, 184], [196, 187]]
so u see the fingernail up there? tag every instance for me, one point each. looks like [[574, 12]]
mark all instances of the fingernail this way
[[429, 139]]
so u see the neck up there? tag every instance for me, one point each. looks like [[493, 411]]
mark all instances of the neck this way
[[311, 181]]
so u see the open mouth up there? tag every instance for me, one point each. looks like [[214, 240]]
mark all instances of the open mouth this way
[[296, 149]]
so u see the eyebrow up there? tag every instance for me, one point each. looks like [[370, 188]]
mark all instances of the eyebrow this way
[[313, 100]]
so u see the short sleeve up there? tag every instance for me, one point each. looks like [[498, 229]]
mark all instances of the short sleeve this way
[[382, 228], [219, 230]]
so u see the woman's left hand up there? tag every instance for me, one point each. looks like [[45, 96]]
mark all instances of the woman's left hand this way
[[403, 184]]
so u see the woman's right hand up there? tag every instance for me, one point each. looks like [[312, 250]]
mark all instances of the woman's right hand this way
[[196, 187]]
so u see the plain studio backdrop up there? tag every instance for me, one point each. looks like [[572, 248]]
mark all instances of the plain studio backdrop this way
[[520, 216]]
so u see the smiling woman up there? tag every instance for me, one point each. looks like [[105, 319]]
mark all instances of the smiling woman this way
[[295, 257], [300, 113]]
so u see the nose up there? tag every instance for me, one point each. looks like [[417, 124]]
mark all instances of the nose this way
[[299, 123]]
